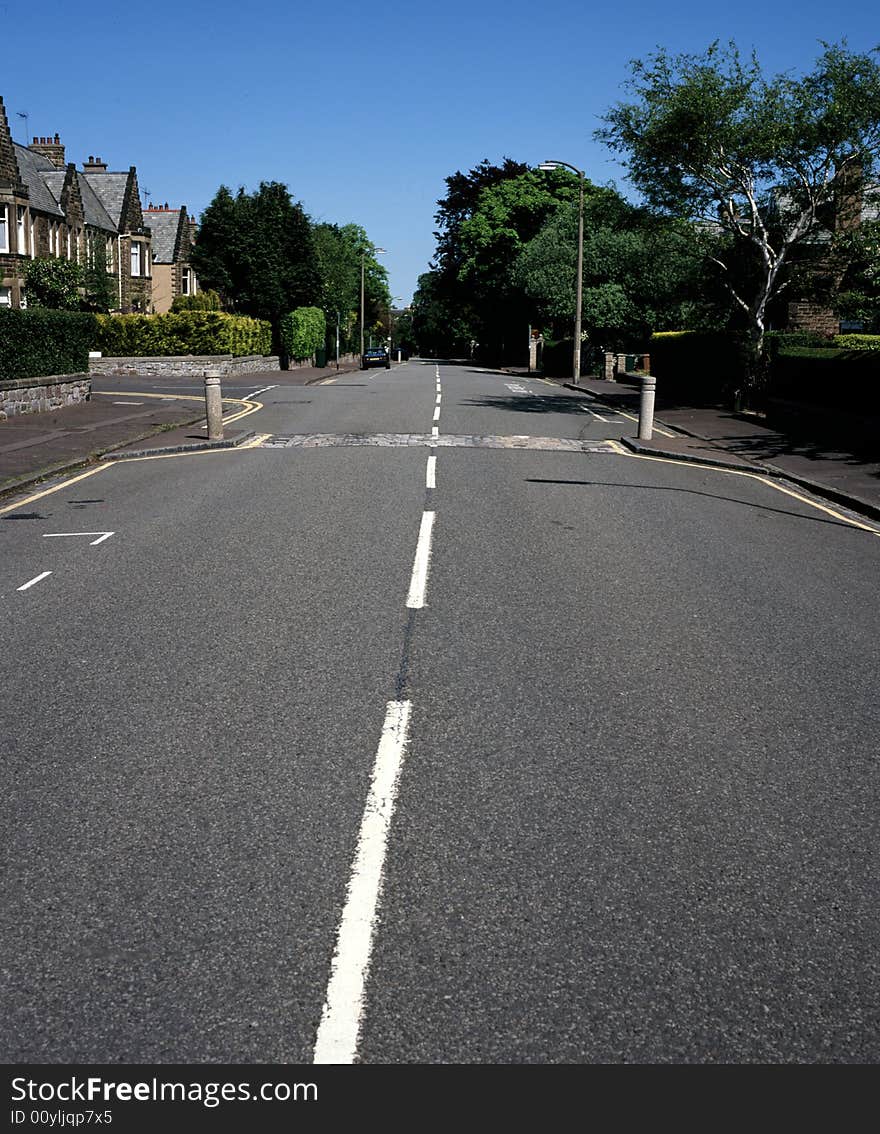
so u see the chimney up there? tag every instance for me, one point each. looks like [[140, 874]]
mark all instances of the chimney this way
[[94, 165], [50, 148]]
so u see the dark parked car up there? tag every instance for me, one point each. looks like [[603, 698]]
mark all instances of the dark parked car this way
[[375, 356]]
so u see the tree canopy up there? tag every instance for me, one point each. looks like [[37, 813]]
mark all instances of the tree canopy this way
[[257, 250], [754, 162]]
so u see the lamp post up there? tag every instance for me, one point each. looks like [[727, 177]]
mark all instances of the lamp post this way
[[576, 364], [376, 252], [391, 322]]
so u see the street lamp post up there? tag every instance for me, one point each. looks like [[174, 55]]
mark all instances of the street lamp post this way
[[578, 303], [376, 252]]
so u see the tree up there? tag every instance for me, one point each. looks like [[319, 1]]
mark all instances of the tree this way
[[54, 283], [257, 251], [752, 161], [637, 274], [100, 294], [506, 217]]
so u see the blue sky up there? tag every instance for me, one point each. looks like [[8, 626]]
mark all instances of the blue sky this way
[[362, 110]]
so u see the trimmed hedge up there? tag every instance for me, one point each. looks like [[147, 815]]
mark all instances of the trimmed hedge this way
[[857, 342], [186, 332], [302, 332], [40, 342], [201, 301], [700, 367]]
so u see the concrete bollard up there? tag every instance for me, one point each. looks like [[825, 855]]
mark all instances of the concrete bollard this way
[[646, 408], [213, 405]]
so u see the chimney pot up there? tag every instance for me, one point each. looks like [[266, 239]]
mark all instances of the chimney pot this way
[[36, 140], [57, 140]]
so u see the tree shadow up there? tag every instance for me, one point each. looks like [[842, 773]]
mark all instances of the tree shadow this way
[[529, 403], [690, 492]]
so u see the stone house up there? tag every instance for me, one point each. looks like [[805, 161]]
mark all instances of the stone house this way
[[48, 208], [173, 233]]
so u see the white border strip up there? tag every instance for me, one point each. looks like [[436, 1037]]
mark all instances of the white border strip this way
[[44, 575], [338, 1031]]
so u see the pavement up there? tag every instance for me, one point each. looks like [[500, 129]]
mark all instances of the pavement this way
[[111, 425], [36, 446], [714, 435]]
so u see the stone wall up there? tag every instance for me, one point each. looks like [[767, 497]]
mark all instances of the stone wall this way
[[37, 395], [805, 316], [184, 364]]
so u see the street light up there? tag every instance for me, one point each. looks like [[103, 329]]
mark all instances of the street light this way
[[391, 322], [580, 263], [376, 252]]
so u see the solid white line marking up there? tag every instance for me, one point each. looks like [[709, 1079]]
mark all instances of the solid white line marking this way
[[128, 403], [262, 390], [338, 1030], [431, 474], [94, 543], [415, 600], [437, 413], [435, 431], [44, 575], [587, 409]]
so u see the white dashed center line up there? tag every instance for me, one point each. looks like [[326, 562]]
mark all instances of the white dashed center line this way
[[343, 1008], [431, 473]]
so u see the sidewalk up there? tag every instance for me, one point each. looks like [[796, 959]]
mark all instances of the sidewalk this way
[[36, 446], [720, 437]]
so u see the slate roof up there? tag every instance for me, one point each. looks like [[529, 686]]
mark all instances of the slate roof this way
[[94, 212], [110, 190], [163, 226], [33, 169]]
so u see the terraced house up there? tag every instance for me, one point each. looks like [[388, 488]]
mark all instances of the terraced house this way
[[48, 208], [173, 235]]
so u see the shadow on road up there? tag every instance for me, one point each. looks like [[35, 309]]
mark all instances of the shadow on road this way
[[529, 403], [690, 492]]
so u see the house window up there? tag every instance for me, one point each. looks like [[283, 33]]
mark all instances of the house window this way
[[135, 258], [184, 282], [4, 230], [22, 230], [33, 237], [109, 253], [5, 292], [69, 246]]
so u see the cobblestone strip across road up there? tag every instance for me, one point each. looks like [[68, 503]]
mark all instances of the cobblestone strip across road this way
[[403, 440]]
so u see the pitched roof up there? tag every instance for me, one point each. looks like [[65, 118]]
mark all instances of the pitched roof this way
[[33, 169], [93, 211], [163, 223], [110, 190]]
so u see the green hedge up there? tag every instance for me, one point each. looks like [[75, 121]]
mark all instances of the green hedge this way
[[40, 342], [302, 332], [857, 342], [699, 367], [201, 301], [187, 332]]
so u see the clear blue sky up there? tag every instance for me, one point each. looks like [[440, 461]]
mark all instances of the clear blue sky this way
[[362, 109]]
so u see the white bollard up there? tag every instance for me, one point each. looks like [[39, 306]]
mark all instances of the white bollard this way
[[213, 405], [646, 408]]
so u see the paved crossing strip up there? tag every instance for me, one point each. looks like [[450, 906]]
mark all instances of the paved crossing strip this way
[[448, 440]]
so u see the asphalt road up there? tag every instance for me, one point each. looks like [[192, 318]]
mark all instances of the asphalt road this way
[[625, 711]]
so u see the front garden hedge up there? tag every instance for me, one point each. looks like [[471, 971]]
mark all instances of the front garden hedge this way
[[302, 332], [183, 333], [40, 342]]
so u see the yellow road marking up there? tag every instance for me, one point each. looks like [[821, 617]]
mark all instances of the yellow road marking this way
[[249, 405], [657, 428], [763, 480], [254, 443], [49, 491], [327, 382]]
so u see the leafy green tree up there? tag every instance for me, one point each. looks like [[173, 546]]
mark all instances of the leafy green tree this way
[[257, 251], [637, 274], [100, 293], [751, 160], [54, 283]]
